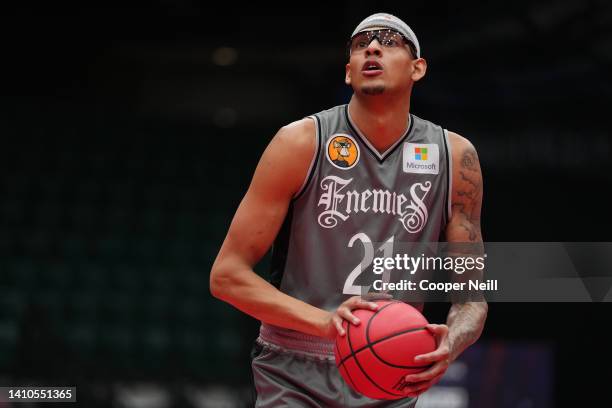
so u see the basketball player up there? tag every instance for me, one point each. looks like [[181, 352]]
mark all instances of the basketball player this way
[[319, 193]]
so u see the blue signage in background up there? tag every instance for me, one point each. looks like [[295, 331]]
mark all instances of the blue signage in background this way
[[496, 374]]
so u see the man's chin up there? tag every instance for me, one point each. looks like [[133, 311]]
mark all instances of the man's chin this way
[[373, 89]]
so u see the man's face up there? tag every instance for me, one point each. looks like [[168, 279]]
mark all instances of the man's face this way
[[382, 64]]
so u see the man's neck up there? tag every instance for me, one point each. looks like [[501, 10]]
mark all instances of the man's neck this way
[[382, 121]]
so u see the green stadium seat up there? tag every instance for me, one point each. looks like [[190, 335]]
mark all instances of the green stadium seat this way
[[146, 250], [111, 248], [89, 191], [156, 195], [84, 218], [118, 307], [189, 311], [8, 342], [67, 159], [193, 280], [82, 337], [56, 276], [180, 251], [118, 218], [121, 193], [126, 278], [73, 247], [119, 339], [84, 306], [93, 277], [23, 274], [53, 306], [193, 341], [12, 211], [154, 308], [7, 245], [159, 279], [156, 339], [50, 186], [187, 224], [49, 213], [12, 304], [36, 243], [152, 220], [15, 184]]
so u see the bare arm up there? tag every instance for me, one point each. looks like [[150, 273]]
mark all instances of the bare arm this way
[[279, 175], [465, 320], [277, 178]]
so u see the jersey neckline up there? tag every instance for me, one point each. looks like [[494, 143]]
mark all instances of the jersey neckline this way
[[378, 155]]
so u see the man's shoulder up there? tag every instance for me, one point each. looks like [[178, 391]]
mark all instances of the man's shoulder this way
[[333, 111], [284, 164], [459, 143], [293, 149], [299, 134], [302, 132]]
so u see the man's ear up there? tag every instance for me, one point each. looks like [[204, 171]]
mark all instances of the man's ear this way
[[347, 76], [420, 68]]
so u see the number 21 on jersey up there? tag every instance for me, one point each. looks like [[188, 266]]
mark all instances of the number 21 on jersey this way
[[368, 257]]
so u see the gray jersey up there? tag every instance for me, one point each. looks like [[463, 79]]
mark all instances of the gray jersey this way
[[356, 204]]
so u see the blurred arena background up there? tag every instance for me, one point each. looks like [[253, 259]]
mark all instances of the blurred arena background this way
[[129, 135]]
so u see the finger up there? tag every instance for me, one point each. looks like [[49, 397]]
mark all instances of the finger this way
[[359, 303], [370, 305], [368, 302], [435, 370], [441, 353], [352, 300], [421, 387], [428, 374], [338, 324], [365, 304], [346, 314], [439, 330]]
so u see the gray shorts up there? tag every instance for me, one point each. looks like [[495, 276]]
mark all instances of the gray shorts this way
[[284, 378]]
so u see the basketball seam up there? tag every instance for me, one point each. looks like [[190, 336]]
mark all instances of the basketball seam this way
[[380, 341], [397, 365], [348, 329], [346, 370], [353, 353], [367, 333]]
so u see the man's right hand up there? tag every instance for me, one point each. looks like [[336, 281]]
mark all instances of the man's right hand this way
[[333, 322]]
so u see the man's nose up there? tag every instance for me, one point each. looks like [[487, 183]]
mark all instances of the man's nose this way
[[374, 48]]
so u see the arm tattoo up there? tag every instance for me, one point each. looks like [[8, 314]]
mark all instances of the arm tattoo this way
[[465, 323], [469, 194], [466, 319], [469, 159]]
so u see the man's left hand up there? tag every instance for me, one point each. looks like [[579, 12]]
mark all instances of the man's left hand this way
[[441, 359]]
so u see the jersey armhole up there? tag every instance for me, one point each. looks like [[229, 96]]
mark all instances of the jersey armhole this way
[[313, 162], [449, 164]]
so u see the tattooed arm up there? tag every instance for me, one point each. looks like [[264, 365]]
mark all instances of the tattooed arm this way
[[465, 320]]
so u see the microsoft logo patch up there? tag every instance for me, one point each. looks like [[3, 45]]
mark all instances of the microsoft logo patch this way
[[420, 153], [421, 158]]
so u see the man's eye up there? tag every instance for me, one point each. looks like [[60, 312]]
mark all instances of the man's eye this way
[[361, 44], [392, 43]]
